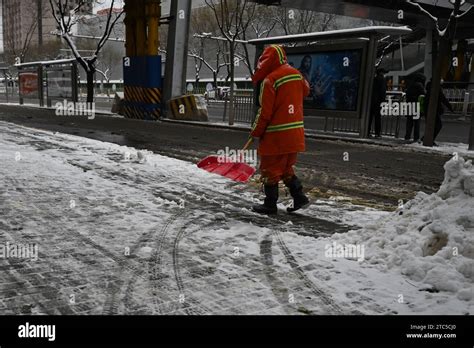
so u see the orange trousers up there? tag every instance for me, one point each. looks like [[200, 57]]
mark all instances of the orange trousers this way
[[277, 167]]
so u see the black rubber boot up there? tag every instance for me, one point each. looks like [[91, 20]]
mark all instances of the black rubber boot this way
[[299, 198], [269, 206]]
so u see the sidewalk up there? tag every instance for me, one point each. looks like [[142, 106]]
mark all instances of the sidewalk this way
[[95, 228]]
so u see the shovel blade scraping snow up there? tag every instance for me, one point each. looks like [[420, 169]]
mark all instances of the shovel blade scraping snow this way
[[240, 172]]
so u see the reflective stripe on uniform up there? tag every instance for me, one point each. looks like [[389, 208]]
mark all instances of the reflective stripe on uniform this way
[[256, 119], [285, 126], [260, 99], [281, 55], [287, 78], [260, 96]]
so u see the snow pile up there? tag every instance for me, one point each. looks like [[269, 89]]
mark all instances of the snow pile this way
[[430, 239], [445, 148]]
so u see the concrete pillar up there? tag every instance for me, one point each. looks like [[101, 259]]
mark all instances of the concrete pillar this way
[[153, 14], [130, 16], [142, 65], [368, 87], [177, 49], [140, 28]]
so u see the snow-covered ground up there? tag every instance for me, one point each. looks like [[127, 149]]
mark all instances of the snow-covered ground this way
[[423, 253], [133, 232], [460, 149]]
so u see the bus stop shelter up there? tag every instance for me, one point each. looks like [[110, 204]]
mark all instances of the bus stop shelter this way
[[5, 81], [55, 80], [363, 39]]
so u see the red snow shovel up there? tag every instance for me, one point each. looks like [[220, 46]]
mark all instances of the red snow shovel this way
[[240, 172]]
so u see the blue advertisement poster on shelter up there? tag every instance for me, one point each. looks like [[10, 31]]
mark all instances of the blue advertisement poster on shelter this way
[[334, 77]]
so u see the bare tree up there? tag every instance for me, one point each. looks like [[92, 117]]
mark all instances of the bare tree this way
[[255, 21], [67, 19], [293, 21], [259, 21], [446, 36], [232, 22], [198, 55], [203, 51], [213, 61], [107, 62], [262, 21]]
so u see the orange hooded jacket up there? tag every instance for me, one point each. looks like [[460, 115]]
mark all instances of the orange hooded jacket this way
[[279, 121]]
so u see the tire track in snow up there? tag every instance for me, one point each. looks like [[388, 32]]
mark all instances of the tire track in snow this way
[[326, 299], [114, 287], [277, 286], [229, 198], [124, 264], [155, 262], [190, 304]]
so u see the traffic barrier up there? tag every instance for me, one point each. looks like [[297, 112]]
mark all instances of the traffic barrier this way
[[117, 106], [188, 107]]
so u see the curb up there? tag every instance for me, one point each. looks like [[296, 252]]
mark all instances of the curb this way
[[318, 136], [315, 136], [51, 108], [207, 125]]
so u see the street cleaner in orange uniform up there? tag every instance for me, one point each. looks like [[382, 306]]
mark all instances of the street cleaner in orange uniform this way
[[279, 127]]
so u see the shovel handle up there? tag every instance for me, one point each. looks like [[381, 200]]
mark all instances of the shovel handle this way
[[247, 144]]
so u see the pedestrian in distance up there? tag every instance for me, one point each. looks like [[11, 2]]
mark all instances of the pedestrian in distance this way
[[279, 127], [442, 100], [379, 93], [414, 94]]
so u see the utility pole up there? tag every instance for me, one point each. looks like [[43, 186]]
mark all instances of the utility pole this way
[[40, 21], [232, 79], [445, 45], [177, 47], [471, 133]]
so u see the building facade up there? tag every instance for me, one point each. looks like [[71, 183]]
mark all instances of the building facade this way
[[28, 24]]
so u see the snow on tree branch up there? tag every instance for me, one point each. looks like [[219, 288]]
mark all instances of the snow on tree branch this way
[[426, 12], [465, 12], [66, 17], [452, 17]]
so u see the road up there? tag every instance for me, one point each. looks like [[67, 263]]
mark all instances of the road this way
[[454, 131], [380, 174]]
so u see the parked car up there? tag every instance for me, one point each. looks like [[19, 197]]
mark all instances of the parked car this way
[[218, 93], [396, 96]]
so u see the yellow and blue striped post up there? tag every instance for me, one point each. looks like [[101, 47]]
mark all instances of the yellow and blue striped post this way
[[142, 65]]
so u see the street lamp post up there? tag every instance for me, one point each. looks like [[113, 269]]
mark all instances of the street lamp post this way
[[444, 47], [471, 133]]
